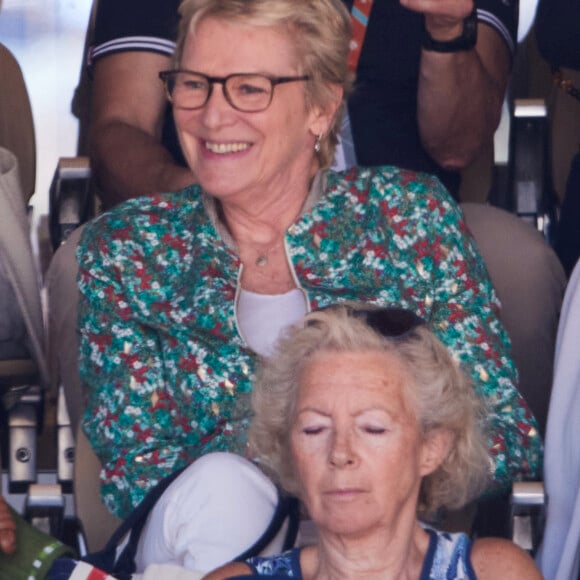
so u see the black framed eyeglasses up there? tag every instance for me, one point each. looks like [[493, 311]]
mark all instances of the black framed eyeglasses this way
[[246, 92], [390, 322]]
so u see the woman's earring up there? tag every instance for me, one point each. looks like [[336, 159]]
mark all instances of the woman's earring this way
[[317, 144]]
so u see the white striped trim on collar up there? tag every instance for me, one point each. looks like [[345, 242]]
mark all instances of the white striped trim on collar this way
[[128, 43]]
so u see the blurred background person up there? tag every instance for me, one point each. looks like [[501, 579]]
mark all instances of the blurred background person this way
[[558, 36]]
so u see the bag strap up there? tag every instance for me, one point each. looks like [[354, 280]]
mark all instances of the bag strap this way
[[359, 14], [124, 564], [288, 508]]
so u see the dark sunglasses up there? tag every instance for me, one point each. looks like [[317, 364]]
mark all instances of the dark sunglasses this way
[[390, 322]]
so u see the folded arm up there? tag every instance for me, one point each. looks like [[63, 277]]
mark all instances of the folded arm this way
[[128, 108], [465, 317], [131, 421], [460, 93]]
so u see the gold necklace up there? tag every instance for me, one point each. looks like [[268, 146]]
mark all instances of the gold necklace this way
[[263, 257], [262, 260]]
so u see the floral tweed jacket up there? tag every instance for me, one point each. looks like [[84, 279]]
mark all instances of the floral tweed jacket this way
[[168, 372]]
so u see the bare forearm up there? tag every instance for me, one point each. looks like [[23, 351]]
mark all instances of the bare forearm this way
[[128, 162], [460, 98], [128, 156]]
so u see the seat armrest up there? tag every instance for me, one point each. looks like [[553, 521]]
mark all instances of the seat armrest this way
[[528, 493], [523, 172], [71, 198], [528, 503]]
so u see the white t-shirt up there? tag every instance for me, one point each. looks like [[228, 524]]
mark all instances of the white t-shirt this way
[[263, 317]]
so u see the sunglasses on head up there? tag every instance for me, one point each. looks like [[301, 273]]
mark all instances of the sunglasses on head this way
[[390, 322]]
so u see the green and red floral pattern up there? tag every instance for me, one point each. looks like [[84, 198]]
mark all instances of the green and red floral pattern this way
[[168, 374]]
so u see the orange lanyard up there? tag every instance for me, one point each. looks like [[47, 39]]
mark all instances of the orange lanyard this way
[[361, 10]]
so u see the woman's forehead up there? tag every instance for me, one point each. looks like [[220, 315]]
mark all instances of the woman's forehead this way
[[357, 377], [230, 46]]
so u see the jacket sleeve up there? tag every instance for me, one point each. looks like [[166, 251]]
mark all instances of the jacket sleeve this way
[[130, 415], [465, 313]]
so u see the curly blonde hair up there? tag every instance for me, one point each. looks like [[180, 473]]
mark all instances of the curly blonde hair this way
[[440, 394], [321, 31]]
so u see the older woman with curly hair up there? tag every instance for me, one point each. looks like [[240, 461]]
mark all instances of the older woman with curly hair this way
[[365, 416]]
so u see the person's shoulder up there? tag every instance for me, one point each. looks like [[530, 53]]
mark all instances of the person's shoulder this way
[[130, 220], [494, 558], [394, 189], [414, 183], [387, 179]]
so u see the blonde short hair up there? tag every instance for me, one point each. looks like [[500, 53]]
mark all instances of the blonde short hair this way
[[440, 394], [321, 30]]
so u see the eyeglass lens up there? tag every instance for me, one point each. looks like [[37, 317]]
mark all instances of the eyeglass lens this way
[[243, 92]]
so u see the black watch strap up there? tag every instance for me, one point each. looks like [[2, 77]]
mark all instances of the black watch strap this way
[[466, 41]]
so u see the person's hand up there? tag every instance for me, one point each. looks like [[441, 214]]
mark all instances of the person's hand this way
[[443, 18], [7, 529]]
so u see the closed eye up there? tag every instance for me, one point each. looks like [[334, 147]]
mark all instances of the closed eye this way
[[312, 430], [375, 430]]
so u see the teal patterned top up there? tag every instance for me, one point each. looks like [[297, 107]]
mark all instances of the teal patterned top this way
[[447, 558], [168, 373]]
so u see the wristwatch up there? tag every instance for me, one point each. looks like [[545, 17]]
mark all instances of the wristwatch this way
[[466, 41]]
